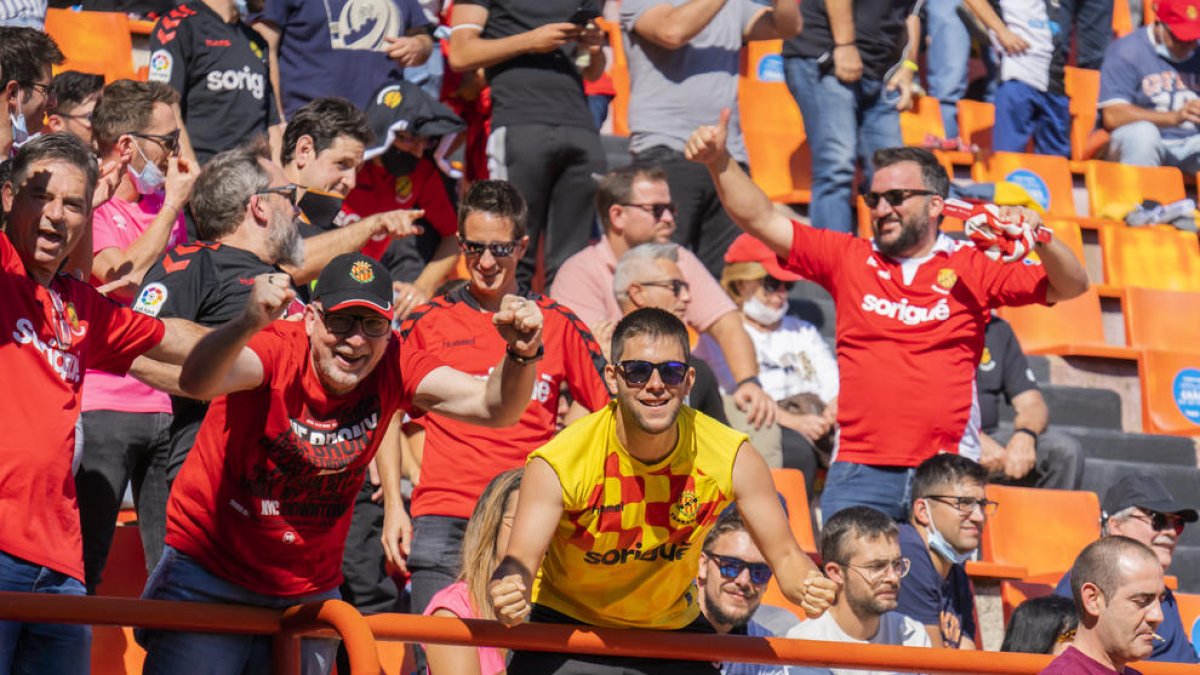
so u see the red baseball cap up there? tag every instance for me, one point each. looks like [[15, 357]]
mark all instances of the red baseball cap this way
[[1182, 17], [748, 249]]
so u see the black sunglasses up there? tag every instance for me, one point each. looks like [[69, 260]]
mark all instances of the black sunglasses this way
[[290, 192], [1161, 521], [343, 324], [677, 286], [498, 249], [169, 142], [893, 197], [771, 284], [656, 210], [638, 372], [730, 568]]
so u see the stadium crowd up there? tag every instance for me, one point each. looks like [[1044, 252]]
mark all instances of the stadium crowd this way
[[348, 298]]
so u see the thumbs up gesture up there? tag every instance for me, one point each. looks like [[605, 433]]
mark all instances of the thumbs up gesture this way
[[707, 144]]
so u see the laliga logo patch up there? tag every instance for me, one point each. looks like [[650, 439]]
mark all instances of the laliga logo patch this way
[[684, 512], [151, 299], [390, 97], [160, 66], [361, 272]]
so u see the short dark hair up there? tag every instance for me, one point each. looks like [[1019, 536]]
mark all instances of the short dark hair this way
[[25, 53], [127, 106], [1099, 564], [223, 189], [945, 469], [616, 187], [1037, 623], [71, 88], [61, 146], [651, 322], [730, 520], [850, 525], [323, 120], [933, 174], [499, 198]]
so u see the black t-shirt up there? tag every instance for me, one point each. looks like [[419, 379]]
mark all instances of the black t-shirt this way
[[221, 72], [1002, 372], [535, 88], [878, 27], [205, 283], [706, 394]]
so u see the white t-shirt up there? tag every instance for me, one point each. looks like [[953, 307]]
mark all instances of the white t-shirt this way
[[792, 359], [894, 629]]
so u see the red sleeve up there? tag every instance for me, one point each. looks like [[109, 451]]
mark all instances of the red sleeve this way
[[433, 199], [1011, 284], [116, 335], [816, 254], [8, 255], [271, 345], [415, 364], [583, 360]]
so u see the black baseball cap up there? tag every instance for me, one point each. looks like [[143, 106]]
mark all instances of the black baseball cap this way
[[404, 106], [1146, 492], [355, 280]]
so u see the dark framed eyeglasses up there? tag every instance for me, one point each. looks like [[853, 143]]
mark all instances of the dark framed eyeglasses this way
[[657, 210], [773, 285], [498, 249], [82, 117], [677, 286], [875, 571], [638, 372], [965, 505], [62, 324], [894, 197], [290, 192], [169, 142], [43, 89], [730, 567], [1160, 522], [374, 325]]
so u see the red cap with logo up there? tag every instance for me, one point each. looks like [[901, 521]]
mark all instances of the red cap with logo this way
[[748, 249], [1182, 18]]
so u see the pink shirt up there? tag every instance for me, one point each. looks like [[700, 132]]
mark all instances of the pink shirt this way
[[456, 600], [117, 224], [585, 284]]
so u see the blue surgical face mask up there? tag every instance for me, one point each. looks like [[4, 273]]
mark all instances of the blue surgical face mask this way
[[939, 545], [20, 131], [242, 9], [150, 179]]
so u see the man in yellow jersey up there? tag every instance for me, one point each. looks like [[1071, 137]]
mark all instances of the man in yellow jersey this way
[[620, 502]]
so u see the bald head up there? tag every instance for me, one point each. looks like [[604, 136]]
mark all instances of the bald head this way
[[1104, 562]]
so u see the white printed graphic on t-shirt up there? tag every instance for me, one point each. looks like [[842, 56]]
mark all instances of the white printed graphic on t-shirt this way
[[362, 24]]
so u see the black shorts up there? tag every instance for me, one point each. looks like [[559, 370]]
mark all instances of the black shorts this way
[[549, 663]]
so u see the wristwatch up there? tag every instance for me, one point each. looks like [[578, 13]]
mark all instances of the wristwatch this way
[[525, 360]]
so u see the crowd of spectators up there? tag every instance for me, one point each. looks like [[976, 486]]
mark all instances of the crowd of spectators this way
[[227, 296]]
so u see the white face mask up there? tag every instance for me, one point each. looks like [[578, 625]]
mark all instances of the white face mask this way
[[939, 545], [150, 179], [757, 311], [1161, 49]]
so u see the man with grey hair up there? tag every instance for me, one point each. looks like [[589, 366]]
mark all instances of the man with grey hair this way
[[1140, 507], [649, 276], [1116, 583]]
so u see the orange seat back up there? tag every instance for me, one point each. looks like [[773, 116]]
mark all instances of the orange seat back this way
[[1046, 178], [93, 42], [790, 484], [1013, 593], [975, 122], [1189, 611], [1122, 19], [113, 648], [1022, 533], [923, 120], [780, 158], [1170, 392], [1165, 320], [618, 70], [1151, 257], [1115, 189], [1083, 90]]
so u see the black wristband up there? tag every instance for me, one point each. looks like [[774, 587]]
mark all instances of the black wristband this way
[[753, 379], [1031, 432], [525, 360]]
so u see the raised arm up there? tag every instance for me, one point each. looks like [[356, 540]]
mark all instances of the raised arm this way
[[745, 202], [499, 400], [538, 511], [799, 578], [1064, 271], [673, 27], [324, 247], [470, 50]]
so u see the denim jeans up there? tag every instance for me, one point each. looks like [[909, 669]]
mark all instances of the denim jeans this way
[[435, 558], [179, 577], [946, 59], [842, 122], [1142, 144], [886, 488], [120, 447], [36, 648]]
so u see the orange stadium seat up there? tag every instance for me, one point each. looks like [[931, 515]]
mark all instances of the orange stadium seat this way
[[1083, 89], [1021, 534], [925, 119], [1170, 392], [93, 42], [1150, 257], [975, 122], [1115, 189], [1165, 320], [618, 70], [1122, 21], [1046, 178], [790, 484], [114, 651], [780, 157], [1013, 593], [1189, 611]]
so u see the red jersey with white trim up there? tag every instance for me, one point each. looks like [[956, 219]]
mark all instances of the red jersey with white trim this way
[[460, 459], [43, 356], [264, 499], [909, 335], [377, 191]]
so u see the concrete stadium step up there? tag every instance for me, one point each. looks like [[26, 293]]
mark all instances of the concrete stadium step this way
[[1185, 565], [1134, 447], [1040, 365], [1183, 482], [1078, 406]]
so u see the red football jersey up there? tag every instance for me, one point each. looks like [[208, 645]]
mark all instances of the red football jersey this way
[[909, 335], [460, 459], [39, 402], [265, 496], [377, 191]]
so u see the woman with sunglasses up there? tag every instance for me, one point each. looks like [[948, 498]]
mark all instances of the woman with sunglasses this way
[[795, 366]]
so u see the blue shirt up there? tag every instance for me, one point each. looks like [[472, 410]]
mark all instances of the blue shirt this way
[[932, 600], [1174, 647], [753, 629], [1133, 72]]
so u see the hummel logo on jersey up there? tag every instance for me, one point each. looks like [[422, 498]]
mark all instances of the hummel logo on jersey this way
[[231, 80], [910, 315]]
